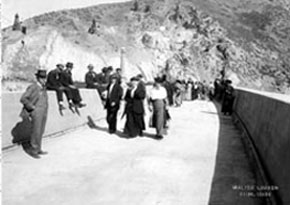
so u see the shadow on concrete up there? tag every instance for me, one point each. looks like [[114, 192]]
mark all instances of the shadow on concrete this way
[[234, 174], [120, 134], [21, 131], [21, 136]]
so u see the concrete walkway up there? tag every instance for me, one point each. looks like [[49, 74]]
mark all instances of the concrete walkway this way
[[197, 163]]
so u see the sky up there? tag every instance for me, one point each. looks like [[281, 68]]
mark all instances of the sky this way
[[30, 8]]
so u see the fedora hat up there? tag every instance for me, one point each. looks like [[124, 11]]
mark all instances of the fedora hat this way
[[69, 65], [114, 76], [41, 74], [158, 80], [134, 79], [59, 65], [90, 66]]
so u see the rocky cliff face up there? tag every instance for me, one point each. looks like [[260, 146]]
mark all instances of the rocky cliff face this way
[[188, 38]]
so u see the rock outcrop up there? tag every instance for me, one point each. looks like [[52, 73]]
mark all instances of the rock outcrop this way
[[185, 39]]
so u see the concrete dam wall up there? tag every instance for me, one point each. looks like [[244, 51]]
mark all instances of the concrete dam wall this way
[[266, 117]]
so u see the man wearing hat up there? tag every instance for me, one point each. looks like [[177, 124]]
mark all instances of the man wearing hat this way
[[119, 75], [54, 83], [67, 82], [35, 107], [112, 104], [102, 81], [91, 77]]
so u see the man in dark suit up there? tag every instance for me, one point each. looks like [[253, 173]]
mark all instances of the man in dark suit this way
[[119, 75], [91, 78], [141, 83], [54, 83], [114, 96], [102, 82], [35, 107], [67, 82]]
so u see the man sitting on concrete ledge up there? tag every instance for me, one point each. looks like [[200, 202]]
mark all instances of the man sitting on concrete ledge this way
[[67, 82], [54, 83]]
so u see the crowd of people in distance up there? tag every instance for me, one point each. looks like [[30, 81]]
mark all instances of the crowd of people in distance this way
[[113, 89], [220, 90]]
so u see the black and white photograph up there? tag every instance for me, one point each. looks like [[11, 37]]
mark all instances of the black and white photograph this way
[[145, 102]]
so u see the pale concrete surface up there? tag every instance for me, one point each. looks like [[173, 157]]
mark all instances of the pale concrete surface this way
[[91, 167]]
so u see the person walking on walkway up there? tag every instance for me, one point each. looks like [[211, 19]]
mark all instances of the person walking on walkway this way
[[158, 104], [169, 89], [134, 109], [54, 83], [114, 96], [35, 107], [228, 98], [178, 93], [67, 82]]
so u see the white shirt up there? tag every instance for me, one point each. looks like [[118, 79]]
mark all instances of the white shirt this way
[[133, 91], [110, 89], [158, 94]]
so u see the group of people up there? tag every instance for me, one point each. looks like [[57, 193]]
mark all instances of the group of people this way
[[60, 80], [35, 101], [100, 81], [220, 90], [136, 97], [181, 90], [108, 83], [224, 92]]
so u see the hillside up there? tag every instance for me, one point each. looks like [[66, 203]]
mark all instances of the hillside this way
[[188, 38]]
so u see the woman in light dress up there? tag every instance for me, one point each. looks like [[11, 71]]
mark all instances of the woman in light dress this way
[[158, 104]]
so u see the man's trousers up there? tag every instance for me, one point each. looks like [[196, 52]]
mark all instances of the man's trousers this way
[[39, 117], [59, 93], [112, 114]]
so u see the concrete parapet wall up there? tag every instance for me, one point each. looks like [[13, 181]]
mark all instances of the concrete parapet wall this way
[[266, 117], [56, 123]]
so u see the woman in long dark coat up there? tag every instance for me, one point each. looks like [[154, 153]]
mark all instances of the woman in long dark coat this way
[[134, 109], [228, 98]]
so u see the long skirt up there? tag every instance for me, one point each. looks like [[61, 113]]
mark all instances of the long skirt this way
[[134, 124], [159, 116], [188, 93]]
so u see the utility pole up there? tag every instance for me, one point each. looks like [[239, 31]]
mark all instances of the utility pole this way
[[122, 60]]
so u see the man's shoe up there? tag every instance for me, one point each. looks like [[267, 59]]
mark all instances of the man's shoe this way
[[61, 107], [71, 105], [159, 137], [112, 132], [33, 154], [80, 105], [42, 152]]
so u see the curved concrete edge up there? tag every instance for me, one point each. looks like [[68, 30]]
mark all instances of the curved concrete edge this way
[[56, 123], [266, 121], [254, 157]]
